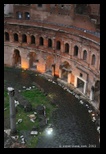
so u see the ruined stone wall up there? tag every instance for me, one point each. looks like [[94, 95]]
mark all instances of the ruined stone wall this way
[[32, 40], [43, 52]]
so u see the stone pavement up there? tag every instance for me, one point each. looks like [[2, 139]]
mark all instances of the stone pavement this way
[[72, 124], [72, 127]]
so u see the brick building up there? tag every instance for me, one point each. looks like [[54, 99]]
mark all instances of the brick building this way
[[61, 40]]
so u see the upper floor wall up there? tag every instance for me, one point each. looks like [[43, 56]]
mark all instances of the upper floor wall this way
[[87, 15]]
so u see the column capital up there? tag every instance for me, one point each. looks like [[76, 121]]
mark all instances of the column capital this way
[[11, 91]]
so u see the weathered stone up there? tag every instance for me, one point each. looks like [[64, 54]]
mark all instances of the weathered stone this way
[[34, 128], [32, 116], [27, 106], [40, 109], [18, 145], [34, 132], [43, 123]]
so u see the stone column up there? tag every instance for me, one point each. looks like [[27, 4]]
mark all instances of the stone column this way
[[97, 61], [75, 82], [79, 52], [45, 42], [28, 39], [37, 40], [62, 46], [92, 93], [70, 48], [11, 36], [85, 87], [53, 69], [20, 38], [60, 73], [12, 110], [69, 77], [53, 43]]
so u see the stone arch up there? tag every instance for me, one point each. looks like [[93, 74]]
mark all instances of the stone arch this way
[[58, 45], [16, 58], [50, 43], [41, 41], [27, 15], [7, 38], [32, 60], [19, 15], [93, 60], [65, 68], [76, 50], [66, 48], [32, 39], [24, 38], [84, 55], [15, 37], [49, 63]]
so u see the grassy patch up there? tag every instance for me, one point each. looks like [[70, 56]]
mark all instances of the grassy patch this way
[[32, 143], [35, 97]]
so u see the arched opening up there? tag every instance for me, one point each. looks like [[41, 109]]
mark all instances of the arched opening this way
[[75, 51], [24, 38], [16, 37], [66, 48], [41, 41], [19, 15], [6, 36], [58, 45], [93, 60], [16, 59], [49, 43], [49, 62], [65, 68], [32, 39], [84, 55], [27, 15], [32, 60]]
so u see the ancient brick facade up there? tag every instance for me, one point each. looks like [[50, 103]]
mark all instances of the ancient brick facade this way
[[58, 39]]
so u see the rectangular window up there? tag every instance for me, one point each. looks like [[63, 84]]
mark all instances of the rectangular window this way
[[39, 5], [81, 74]]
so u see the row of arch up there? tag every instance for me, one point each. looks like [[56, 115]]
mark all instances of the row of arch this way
[[50, 45], [64, 66]]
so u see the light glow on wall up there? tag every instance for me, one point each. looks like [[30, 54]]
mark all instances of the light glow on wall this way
[[24, 64]]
